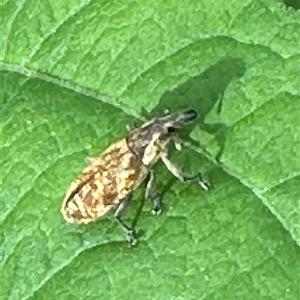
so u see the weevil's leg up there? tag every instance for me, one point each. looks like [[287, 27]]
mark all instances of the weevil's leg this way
[[118, 217], [123, 206], [167, 112], [152, 195], [176, 171], [178, 143], [89, 160]]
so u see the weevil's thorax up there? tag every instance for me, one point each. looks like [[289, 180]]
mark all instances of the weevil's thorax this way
[[148, 141]]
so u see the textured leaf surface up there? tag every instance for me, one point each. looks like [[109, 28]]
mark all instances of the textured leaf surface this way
[[236, 63]]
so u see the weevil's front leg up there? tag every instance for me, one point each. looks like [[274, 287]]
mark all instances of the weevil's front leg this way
[[118, 217], [152, 195], [178, 143], [176, 171], [167, 112]]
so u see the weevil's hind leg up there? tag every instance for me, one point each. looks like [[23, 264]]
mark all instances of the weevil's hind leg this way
[[202, 181], [176, 171], [152, 195], [118, 217]]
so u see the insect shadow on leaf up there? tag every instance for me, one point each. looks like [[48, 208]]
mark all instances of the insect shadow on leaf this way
[[204, 92]]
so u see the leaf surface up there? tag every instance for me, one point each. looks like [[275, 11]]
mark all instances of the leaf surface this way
[[75, 73]]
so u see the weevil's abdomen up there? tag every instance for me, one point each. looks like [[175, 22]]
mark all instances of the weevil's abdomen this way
[[103, 184]]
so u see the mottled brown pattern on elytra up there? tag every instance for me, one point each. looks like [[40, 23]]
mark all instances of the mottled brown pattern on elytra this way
[[113, 157], [110, 190], [77, 214], [137, 170], [88, 198], [93, 185], [105, 182]]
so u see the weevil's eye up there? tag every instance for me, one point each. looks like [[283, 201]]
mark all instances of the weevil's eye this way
[[171, 129]]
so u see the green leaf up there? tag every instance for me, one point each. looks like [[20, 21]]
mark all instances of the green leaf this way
[[74, 74]]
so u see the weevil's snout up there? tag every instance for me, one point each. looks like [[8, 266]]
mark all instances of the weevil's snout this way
[[184, 117], [173, 123], [189, 115]]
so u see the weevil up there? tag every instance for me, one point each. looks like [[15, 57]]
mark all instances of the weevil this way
[[110, 179]]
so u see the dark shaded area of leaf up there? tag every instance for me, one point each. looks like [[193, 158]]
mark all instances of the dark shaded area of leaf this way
[[292, 3], [202, 93]]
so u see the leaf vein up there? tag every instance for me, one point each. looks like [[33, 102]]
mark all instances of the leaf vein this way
[[54, 29], [11, 22]]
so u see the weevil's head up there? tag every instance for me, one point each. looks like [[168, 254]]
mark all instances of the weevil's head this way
[[168, 126], [172, 123], [153, 136]]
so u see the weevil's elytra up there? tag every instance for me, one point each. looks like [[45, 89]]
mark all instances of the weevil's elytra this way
[[108, 181], [103, 184]]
